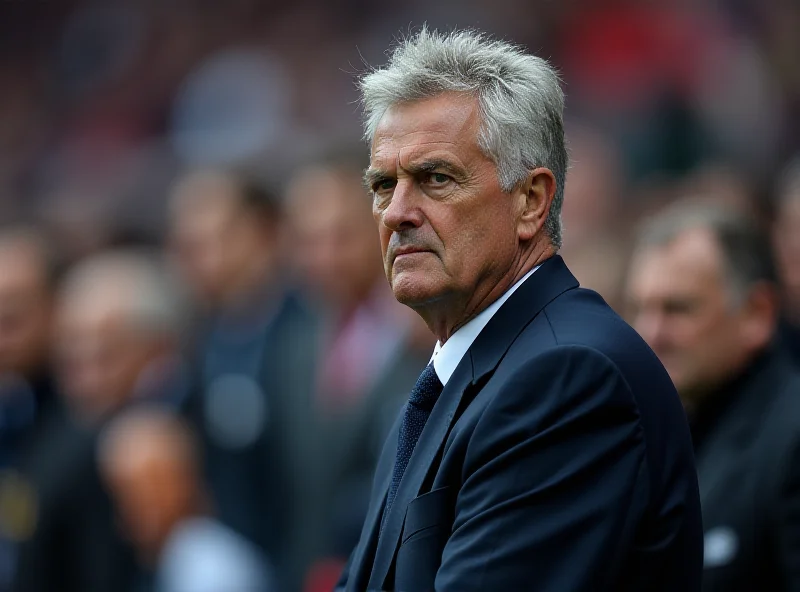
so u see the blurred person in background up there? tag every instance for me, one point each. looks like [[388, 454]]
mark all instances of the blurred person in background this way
[[150, 460], [117, 332], [120, 320], [224, 237], [363, 356], [27, 394], [702, 291], [593, 243], [786, 235]]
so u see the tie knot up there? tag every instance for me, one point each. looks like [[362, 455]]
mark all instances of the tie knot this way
[[427, 390]]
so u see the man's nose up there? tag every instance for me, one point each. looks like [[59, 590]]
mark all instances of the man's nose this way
[[404, 210], [652, 327]]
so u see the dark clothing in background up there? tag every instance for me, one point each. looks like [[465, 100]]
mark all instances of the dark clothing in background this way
[[748, 461], [286, 469], [334, 450], [557, 458], [238, 406], [76, 546], [26, 409], [23, 406], [790, 338]]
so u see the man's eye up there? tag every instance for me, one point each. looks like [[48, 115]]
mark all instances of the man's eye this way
[[383, 185], [439, 178]]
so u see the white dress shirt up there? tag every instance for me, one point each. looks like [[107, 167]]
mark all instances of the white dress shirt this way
[[203, 555], [447, 357]]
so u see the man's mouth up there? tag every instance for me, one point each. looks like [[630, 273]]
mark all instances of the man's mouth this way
[[409, 251]]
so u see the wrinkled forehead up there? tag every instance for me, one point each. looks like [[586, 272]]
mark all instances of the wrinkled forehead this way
[[438, 127], [691, 262]]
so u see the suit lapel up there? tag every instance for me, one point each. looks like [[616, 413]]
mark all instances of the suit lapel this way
[[359, 568], [550, 280], [362, 558]]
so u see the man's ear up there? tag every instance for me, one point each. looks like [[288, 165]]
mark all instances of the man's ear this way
[[760, 316], [536, 194]]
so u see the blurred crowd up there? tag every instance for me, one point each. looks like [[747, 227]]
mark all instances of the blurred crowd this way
[[199, 354]]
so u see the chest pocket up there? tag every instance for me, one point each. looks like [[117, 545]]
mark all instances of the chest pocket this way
[[429, 520]]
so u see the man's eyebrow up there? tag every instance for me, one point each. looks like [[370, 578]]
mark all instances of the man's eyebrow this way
[[433, 164], [373, 175]]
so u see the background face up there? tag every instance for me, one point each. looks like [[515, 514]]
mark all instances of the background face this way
[[153, 486], [681, 305], [216, 241], [200, 241], [100, 352], [455, 218], [333, 246], [24, 311]]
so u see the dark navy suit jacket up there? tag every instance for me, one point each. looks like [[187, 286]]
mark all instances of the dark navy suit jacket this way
[[557, 459]]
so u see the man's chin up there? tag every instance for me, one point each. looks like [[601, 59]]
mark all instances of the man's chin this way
[[415, 289]]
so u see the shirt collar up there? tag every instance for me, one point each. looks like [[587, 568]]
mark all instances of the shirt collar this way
[[446, 357]]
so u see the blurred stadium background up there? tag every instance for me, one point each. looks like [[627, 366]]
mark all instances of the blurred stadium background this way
[[183, 226]]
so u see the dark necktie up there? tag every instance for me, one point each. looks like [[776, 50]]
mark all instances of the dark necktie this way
[[416, 412]]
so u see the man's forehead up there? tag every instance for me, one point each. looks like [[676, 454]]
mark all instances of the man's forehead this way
[[447, 119], [388, 156], [690, 258]]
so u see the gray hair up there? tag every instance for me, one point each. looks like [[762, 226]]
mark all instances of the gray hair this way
[[743, 243], [520, 99], [141, 283]]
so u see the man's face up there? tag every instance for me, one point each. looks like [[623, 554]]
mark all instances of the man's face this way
[[681, 305], [152, 488], [24, 312], [447, 230], [100, 355], [334, 238], [215, 241]]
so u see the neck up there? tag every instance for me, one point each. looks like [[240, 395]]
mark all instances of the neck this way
[[448, 314]]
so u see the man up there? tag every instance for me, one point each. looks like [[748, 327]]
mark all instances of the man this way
[[224, 234], [149, 460], [26, 391], [703, 293], [117, 327], [545, 447], [787, 246]]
